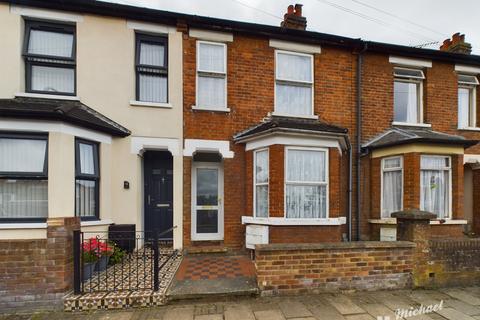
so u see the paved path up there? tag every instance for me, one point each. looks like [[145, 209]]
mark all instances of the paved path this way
[[458, 304]]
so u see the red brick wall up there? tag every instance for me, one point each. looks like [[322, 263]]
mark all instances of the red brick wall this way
[[297, 268], [476, 201], [305, 234]]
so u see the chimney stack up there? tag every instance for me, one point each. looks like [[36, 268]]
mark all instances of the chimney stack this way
[[293, 19], [457, 44]]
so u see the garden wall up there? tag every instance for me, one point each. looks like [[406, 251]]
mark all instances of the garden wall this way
[[323, 267]]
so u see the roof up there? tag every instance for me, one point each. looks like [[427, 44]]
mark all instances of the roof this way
[[276, 124], [400, 136], [69, 111], [172, 18]]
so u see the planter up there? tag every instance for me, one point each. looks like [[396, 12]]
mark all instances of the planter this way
[[88, 269], [102, 263]]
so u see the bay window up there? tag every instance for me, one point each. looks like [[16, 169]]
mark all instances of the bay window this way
[[151, 68], [211, 75], [23, 177], [408, 96], [293, 83], [86, 179], [435, 185], [49, 53], [467, 113], [261, 176], [306, 183], [392, 186]]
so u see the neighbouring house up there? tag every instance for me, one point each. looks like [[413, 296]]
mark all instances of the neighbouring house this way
[[231, 133]]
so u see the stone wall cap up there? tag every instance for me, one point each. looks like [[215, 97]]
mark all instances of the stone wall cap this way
[[414, 214], [335, 245]]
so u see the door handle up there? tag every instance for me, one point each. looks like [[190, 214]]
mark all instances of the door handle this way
[[163, 205]]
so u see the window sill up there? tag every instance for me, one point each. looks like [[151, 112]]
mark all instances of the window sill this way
[[406, 124], [150, 104], [90, 223], [46, 96], [432, 222], [469, 129], [20, 225], [294, 222], [279, 114], [211, 109]]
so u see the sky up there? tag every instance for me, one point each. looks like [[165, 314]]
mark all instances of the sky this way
[[406, 22]]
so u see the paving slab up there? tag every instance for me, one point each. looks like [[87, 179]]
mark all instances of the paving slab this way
[[466, 308], [343, 304], [179, 314], [323, 310], [269, 315], [463, 295], [241, 312], [294, 309], [209, 317], [359, 317], [452, 314]]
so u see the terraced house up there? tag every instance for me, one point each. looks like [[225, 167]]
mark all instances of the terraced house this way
[[221, 134]]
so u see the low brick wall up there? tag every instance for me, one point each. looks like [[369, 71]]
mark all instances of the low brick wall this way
[[454, 262], [38, 273], [325, 267]]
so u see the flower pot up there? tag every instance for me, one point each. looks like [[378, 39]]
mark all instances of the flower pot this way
[[88, 269], [102, 263]]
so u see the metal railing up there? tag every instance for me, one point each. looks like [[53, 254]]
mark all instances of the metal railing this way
[[117, 260]]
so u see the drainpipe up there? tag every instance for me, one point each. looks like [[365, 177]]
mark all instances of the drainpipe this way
[[350, 184], [359, 133]]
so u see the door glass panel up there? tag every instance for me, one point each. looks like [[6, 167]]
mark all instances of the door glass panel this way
[[207, 221], [207, 187]]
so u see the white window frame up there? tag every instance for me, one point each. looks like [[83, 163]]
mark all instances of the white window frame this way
[[206, 73], [383, 170], [287, 81], [255, 183], [419, 82], [449, 169], [472, 106], [301, 183]]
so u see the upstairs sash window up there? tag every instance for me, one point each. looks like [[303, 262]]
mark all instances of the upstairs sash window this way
[[49, 53], [408, 106], [23, 177], [467, 96]]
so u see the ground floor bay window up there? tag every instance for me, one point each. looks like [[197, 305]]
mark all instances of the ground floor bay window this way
[[435, 185], [23, 177]]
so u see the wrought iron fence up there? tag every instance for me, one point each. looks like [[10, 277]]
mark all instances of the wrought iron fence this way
[[114, 261]]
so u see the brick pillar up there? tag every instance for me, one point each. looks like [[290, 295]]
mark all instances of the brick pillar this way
[[457, 187], [476, 201], [411, 165], [414, 226], [59, 252]]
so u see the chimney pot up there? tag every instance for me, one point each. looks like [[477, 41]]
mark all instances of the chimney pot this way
[[293, 19], [290, 9], [298, 9], [457, 44]]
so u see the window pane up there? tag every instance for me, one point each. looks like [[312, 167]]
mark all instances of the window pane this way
[[152, 88], [306, 201], [152, 54], [294, 67], [306, 165], [211, 92], [50, 43], [408, 73], [392, 193], [23, 198], [207, 187], [406, 102], [293, 100], [22, 155], [53, 79], [261, 199], [207, 221], [392, 163], [211, 57], [261, 166], [435, 192], [87, 163], [429, 162], [85, 200], [466, 79], [464, 109]]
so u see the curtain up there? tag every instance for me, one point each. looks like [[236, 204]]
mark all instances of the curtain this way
[[294, 67], [211, 92], [435, 186], [306, 191], [53, 79], [261, 183], [292, 99], [261, 166], [22, 155], [152, 88], [152, 54], [392, 192], [50, 43], [405, 101], [211, 57], [463, 107], [85, 198], [86, 159], [23, 198], [261, 201]]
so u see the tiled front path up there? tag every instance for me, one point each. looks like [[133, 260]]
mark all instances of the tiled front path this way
[[459, 304]]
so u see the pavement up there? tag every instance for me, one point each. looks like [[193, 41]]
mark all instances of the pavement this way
[[456, 304]]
